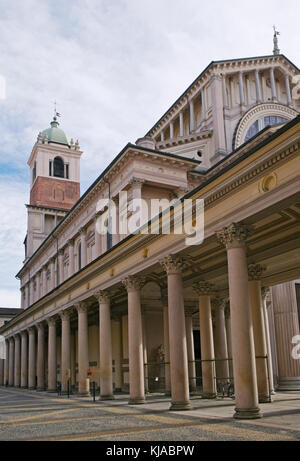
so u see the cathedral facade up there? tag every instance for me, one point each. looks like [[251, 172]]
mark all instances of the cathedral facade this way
[[144, 311]]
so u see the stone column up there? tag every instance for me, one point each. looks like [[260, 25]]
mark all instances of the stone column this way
[[83, 247], [181, 129], [167, 348], [203, 105], [1, 372], [65, 363], [61, 266], [32, 359], [288, 90], [190, 351], [31, 292], [52, 357], [192, 116], [178, 347], [26, 302], [117, 346], [218, 115], [6, 364], [98, 243], [83, 349], [44, 281], [204, 291], [52, 273], [17, 367], [243, 354], [24, 360], [106, 383], [171, 130], [133, 286], [242, 93], [221, 352], [286, 320], [145, 354], [71, 258], [255, 272], [273, 87], [257, 86], [38, 284], [41, 357], [228, 337], [266, 301], [11, 362]]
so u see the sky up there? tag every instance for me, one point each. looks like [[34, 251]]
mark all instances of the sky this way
[[114, 67]]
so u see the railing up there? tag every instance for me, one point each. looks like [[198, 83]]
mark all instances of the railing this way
[[155, 376]]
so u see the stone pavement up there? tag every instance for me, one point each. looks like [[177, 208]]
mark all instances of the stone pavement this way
[[29, 415]]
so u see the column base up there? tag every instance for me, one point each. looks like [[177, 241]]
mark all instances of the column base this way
[[209, 395], [264, 399], [247, 413], [180, 406], [107, 397], [81, 394], [289, 384], [136, 401]]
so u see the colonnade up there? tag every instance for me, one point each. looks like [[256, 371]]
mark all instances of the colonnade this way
[[25, 366]]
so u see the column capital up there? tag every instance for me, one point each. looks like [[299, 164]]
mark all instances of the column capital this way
[[32, 330], [218, 303], [82, 231], [266, 296], [102, 296], [234, 235], [51, 321], [61, 252], [172, 264], [255, 271], [136, 182], [23, 333], [133, 282], [81, 307], [40, 326], [71, 242], [65, 315], [203, 288]]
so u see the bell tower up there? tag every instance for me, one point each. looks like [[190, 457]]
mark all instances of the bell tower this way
[[54, 183]]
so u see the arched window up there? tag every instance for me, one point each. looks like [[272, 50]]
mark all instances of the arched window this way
[[261, 123], [58, 167], [79, 256]]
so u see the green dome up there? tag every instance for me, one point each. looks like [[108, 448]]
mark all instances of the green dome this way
[[55, 134]]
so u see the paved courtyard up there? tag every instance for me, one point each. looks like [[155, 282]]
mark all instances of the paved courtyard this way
[[26, 415]]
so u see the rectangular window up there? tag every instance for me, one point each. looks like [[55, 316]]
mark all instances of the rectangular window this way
[[50, 168]]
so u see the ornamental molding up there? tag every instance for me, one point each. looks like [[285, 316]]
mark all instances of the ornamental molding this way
[[134, 283], [172, 264], [259, 170], [102, 296], [235, 234], [260, 110], [203, 288], [255, 271]]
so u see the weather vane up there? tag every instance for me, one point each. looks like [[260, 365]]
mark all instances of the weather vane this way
[[276, 50], [56, 114]]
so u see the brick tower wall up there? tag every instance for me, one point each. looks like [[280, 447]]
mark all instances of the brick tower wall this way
[[54, 193]]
